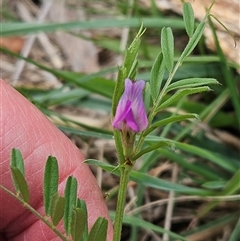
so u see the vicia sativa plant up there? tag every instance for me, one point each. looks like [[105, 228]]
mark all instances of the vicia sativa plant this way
[[135, 105]]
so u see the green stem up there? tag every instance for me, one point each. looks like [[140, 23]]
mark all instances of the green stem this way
[[125, 171], [37, 214]]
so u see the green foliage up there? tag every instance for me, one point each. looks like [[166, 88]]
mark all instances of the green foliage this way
[[134, 221], [18, 175], [82, 205], [167, 45], [56, 208], [191, 83], [180, 93], [71, 209], [99, 230], [50, 187], [236, 232], [77, 224], [149, 181], [70, 195], [211, 166], [20, 183], [17, 160], [157, 73], [188, 17], [169, 120], [193, 41], [147, 96], [10, 29]]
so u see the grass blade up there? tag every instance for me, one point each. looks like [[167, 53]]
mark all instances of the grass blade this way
[[154, 182], [13, 29], [135, 221], [236, 232]]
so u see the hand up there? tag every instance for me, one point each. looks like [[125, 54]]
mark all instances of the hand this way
[[24, 127]]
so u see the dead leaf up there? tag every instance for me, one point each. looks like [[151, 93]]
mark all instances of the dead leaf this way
[[14, 44]]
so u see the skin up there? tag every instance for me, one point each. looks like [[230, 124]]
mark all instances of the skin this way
[[24, 127]]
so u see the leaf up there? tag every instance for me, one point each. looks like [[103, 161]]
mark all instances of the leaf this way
[[133, 70], [193, 41], [211, 226], [188, 18], [180, 93], [147, 96], [231, 187], [14, 44], [99, 230], [132, 52], [17, 160], [50, 182], [168, 120], [153, 147], [20, 183], [206, 173], [206, 154], [153, 182], [98, 84], [214, 184], [8, 29], [82, 205], [236, 232], [78, 223], [157, 73], [70, 195], [139, 222], [95, 134], [57, 208], [167, 45], [191, 82]]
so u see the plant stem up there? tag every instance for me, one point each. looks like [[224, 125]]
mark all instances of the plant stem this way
[[36, 213], [125, 171]]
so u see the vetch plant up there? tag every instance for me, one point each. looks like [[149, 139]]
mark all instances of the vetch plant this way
[[135, 107], [128, 110]]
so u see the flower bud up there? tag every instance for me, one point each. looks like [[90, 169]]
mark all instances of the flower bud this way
[[130, 112]]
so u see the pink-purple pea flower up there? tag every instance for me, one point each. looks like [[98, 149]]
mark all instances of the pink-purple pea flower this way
[[130, 113]]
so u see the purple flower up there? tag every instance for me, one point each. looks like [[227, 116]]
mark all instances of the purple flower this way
[[130, 113]]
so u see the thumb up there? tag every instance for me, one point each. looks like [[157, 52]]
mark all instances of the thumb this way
[[24, 127]]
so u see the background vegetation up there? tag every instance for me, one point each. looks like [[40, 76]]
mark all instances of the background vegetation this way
[[193, 189]]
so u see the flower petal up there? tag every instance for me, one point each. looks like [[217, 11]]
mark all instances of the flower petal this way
[[131, 110], [130, 121], [120, 116], [138, 107]]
